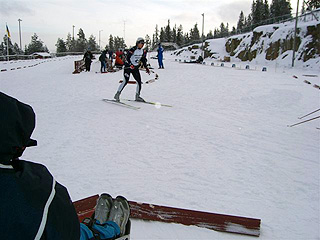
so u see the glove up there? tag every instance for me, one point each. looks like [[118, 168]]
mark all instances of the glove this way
[[148, 71], [131, 66]]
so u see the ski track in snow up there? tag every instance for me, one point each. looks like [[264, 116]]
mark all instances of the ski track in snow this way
[[223, 147]]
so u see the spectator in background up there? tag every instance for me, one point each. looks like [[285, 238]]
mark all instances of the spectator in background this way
[[160, 56], [88, 56], [103, 59], [119, 59]]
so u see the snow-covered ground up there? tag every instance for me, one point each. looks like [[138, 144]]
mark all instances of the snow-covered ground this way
[[223, 147]]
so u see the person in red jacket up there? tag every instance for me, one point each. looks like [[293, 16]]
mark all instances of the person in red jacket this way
[[119, 59]]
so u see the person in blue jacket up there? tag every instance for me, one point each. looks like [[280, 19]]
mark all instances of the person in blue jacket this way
[[160, 56], [33, 205], [102, 59]]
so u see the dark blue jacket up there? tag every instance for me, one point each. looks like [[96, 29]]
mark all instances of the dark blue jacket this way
[[160, 52], [32, 203]]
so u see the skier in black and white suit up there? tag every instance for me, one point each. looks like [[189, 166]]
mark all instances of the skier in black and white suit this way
[[132, 62]]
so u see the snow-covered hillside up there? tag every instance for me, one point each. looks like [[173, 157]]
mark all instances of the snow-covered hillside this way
[[269, 45], [223, 147]]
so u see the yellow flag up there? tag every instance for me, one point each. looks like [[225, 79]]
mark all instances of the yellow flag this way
[[8, 32]]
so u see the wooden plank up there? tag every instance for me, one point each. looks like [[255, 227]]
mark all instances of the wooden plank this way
[[85, 207], [213, 221], [151, 212]]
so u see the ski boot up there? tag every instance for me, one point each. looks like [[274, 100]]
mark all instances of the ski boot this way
[[117, 96], [138, 98], [119, 213], [103, 207]]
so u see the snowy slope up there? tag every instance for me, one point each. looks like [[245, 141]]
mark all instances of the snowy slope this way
[[261, 39], [224, 147]]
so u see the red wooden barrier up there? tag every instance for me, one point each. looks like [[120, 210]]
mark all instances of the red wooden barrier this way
[[151, 212]]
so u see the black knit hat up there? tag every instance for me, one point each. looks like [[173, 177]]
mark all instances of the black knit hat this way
[[17, 122]]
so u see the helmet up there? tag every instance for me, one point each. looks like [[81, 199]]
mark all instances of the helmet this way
[[139, 40]]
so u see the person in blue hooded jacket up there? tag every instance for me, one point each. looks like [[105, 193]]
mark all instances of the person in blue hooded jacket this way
[[160, 56], [32, 204]]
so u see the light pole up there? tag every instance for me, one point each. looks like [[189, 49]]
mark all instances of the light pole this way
[[202, 35], [124, 30], [295, 35], [73, 32], [99, 39], [19, 20]]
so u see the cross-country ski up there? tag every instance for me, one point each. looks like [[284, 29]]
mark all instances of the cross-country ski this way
[[158, 104], [119, 103]]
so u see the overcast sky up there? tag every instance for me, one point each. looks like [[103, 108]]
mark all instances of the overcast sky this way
[[52, 19]]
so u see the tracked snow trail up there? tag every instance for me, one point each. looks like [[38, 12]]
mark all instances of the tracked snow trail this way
[[223, 147]]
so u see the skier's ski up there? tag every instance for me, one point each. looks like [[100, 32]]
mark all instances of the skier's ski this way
[[152, 103], [122, 104]]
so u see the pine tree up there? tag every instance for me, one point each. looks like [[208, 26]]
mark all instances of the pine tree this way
[[61, 46], [186, 38], [162, 36], [155, 38], [248, 23], [266, 11], [118, 43], [70, 43], [4, 46], [280, 10], [174, 34], [194, 33], [234, 30], [81, 42], [257, 11], [210, 35], [241, 22], [36, 45], [92, 44], [168, 34], [227, 30], [179, 40], [223, 31], [111, 43], [216, 33], [2, 49]]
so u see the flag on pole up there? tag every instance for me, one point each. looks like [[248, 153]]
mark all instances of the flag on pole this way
[[8, 32]]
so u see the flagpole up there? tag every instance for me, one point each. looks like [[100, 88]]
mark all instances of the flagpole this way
[[7, 49], [7, 44]]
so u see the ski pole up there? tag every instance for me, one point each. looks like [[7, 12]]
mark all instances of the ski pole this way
[[309, 113], [303, 122], [146, 82], [142, 69]]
